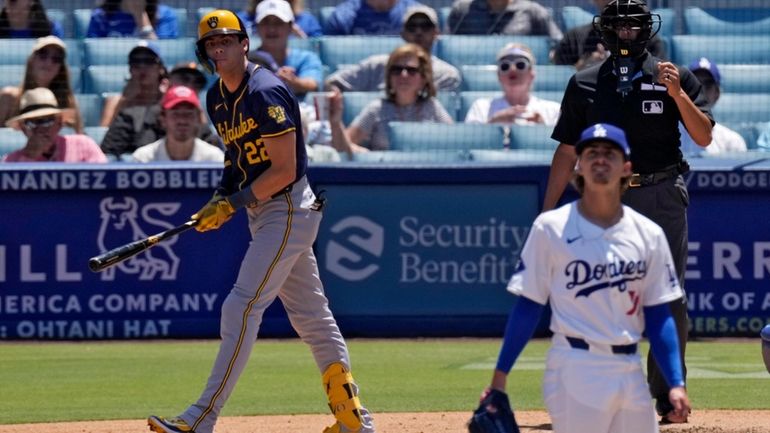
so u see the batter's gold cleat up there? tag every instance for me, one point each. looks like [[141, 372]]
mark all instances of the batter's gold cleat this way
[[159, 424]]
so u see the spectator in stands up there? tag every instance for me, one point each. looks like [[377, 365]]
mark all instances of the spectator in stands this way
[[136, 121], [421, 27], [505, 17], [409, 96], [301, 70], [368, 17], [145, 85], [188, 74], [145, 19], [582, 45], [26, 19], [305, 24], [180, 116], [40, 120], [516, 73], [723, 139], [46, 67]]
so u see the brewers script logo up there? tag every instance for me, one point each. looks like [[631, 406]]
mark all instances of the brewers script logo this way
[[122, 221], [359, 242]]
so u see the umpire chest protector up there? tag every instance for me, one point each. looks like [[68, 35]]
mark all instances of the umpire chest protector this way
[[647, 113]]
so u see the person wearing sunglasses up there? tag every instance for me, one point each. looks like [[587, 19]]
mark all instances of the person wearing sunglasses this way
[[136, 119], [41, 120], [409, 96], [46, 67], [27, 19], [517, 105], [421, 27]]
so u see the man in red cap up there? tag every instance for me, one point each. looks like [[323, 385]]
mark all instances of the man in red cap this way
[[180, 115]]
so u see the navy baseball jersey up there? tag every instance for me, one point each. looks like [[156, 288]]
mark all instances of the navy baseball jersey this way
[[262, 106]]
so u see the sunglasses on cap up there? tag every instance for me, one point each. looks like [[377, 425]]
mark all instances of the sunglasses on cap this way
[[42, 122], [51, 55], [413, 26], [520, 64], [398, 70]]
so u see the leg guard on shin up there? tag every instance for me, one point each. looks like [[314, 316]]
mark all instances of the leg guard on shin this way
[[342, 393]]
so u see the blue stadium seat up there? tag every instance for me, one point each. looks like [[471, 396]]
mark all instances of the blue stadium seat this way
[[114, 51], [17, 50], [80, 20], [727, 21], [11, 140], [420, 136], [443, 18], [12, 75], [742, 107], [510, 156], [96, 132], [574, 16], [100, 79], [346, 50], [405, 157], [482, 49], [90, 106], [354, 102], [532, 137], [745, 78], [722, 49], [182, 25], [484, 77], [63, 18]]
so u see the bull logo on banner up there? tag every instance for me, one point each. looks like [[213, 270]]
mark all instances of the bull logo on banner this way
[[123, 222]]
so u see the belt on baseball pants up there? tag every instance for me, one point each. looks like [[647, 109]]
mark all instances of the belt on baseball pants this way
[[617, 349], [656, 177]]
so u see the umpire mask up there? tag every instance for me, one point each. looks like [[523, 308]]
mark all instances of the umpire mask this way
[[627, 14]]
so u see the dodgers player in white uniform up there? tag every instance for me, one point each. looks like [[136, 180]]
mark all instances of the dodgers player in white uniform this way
[[609, 276]]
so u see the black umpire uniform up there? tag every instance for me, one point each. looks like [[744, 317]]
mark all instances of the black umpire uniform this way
[[650, 118]]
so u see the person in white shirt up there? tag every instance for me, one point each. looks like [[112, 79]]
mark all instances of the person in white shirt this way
[[181, 117], [724, 139], [516, 73]]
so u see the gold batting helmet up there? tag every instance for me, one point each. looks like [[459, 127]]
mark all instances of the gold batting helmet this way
[[218, 22]]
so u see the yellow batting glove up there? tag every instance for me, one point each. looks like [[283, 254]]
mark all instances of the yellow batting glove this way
[[214, 214]]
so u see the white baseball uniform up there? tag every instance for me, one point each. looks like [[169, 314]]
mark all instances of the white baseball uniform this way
[[597, 281]]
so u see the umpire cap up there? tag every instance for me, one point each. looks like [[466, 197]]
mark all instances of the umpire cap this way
[[606, 133]]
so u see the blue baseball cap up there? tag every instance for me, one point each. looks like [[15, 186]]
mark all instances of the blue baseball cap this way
[[606, 133], [707, 65]]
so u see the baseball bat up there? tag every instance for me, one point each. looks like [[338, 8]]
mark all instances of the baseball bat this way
[[117, 255]]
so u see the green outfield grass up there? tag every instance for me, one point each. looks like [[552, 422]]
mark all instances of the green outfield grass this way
[[44, 382]]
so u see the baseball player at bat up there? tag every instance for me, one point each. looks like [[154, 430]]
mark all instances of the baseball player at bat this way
[[258, 119], [609, 276]]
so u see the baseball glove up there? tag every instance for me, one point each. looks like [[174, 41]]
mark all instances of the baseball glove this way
[[494, 414]]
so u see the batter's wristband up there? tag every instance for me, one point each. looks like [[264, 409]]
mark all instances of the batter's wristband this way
[[242, 198]]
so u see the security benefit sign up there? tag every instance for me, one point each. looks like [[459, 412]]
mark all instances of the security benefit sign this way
[[416, 251], [727, 276], [51, 227]]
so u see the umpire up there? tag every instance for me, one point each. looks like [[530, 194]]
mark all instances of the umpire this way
[[647, 97]]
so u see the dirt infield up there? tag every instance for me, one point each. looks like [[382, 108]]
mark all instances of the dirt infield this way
[[707, 421]]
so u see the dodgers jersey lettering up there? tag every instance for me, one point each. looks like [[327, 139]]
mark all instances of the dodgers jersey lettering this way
[[262, 106], [597, 279]]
